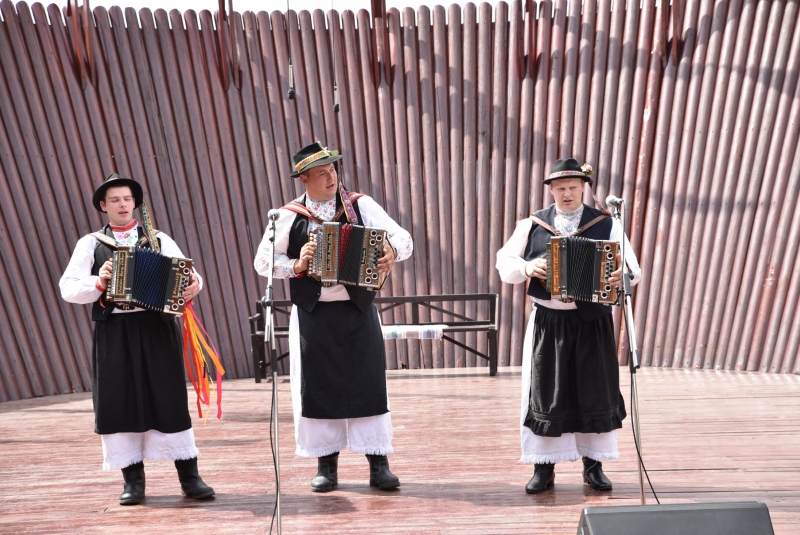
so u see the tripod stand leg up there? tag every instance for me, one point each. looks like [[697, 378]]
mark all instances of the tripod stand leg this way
[[633, 364]]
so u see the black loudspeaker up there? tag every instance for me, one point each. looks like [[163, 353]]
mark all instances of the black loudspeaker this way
[[736, 518]]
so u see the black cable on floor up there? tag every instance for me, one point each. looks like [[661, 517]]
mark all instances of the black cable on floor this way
[[272, 446], [634, 415]]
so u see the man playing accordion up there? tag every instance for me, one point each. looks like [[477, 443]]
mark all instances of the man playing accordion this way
[[571, 402], [139, 388], [337, 370]]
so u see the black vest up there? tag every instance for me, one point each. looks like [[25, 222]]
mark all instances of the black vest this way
[[102, 253], [539, 240], [305, 291]]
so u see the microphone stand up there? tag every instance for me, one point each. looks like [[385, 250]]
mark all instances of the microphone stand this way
[[633, 358], [269, 338]]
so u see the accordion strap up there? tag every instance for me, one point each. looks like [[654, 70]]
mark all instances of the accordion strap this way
[[300, 209], [590, 224], [577, 231], [149, 231], [111, 242], [545, 226], [107, 240], [347, 203]]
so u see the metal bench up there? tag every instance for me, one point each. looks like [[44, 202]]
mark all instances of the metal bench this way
[[453, 322]]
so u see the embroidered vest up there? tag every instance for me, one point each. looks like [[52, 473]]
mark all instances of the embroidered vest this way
[[305, 291], [539, 240]]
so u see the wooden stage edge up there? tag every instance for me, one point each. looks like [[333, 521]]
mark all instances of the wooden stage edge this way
[[708, 436]]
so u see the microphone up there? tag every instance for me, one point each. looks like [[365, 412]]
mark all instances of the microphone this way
[[614, 201], [273, 215], [335, 97], [291, 91]]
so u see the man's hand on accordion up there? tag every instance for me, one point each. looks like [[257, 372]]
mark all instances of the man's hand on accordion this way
[[386, 262], [193, 289], [104, 275], [537, 268], [306, 254], [616, 276]]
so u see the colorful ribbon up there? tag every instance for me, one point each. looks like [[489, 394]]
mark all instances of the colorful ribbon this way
[[197, 351]]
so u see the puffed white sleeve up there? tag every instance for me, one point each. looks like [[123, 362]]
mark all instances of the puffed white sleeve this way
[[77, 284], [510, 263], [171, 249], [284, 266], [375, 216], [618, 235]]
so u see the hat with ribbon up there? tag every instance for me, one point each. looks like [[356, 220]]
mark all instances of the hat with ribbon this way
[[313, 155], [570, 168], [113, 181]]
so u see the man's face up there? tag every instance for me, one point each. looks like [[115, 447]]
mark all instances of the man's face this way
[[321, 182], [119, 204], [568, 193]]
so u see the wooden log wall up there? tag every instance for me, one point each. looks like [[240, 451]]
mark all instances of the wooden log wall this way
[[450, 118]]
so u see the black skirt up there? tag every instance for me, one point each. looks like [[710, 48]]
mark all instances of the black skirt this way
[[343, 365], [139, 382], [574, 375]]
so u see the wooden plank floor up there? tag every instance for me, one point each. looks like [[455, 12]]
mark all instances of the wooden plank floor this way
[[707, 436]]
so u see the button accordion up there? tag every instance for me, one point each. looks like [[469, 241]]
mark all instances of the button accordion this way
[[348, 254], [578, 269], [144, 278]]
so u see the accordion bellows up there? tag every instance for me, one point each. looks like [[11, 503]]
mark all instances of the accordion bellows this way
[[348, 254], [578, 269], [149, 280]]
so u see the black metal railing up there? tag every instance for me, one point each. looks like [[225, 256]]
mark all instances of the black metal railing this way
[[453, 322]]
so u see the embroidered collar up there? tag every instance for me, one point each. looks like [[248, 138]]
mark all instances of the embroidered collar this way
[[299, 206], [130, 226], [575, 213], [323, 210], [568, 222]]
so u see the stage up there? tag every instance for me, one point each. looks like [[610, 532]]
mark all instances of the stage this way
[[707, 437]]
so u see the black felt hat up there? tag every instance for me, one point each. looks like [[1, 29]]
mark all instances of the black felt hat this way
[[313, 155], [112, 182], [569, 168]]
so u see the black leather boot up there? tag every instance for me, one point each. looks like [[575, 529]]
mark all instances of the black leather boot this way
[[593, 474], [327, 473], [379, 474], [191, 484], [133, 491], [543, 477]]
